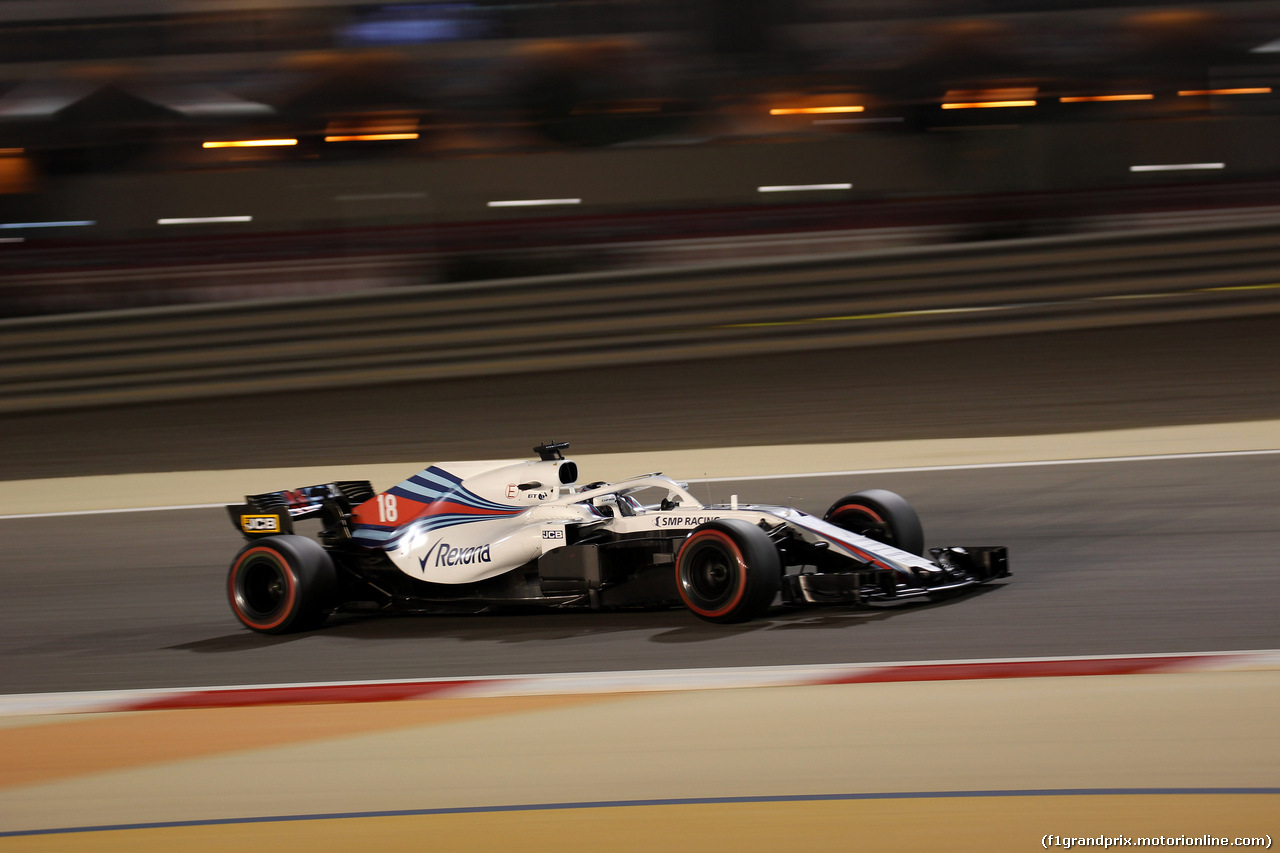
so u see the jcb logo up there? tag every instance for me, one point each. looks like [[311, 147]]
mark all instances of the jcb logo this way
[[260, 523]]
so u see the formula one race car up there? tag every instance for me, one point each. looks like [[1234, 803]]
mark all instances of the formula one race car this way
[[470, 536]]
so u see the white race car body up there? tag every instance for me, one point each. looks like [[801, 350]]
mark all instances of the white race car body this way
[[481, 534]]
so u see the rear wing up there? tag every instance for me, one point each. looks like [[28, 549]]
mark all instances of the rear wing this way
[[273, 513]]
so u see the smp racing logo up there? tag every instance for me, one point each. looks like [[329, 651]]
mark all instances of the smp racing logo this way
[[260, 523], [446, 555], [683, 520]]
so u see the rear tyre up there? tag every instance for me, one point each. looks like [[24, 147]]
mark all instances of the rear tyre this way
[[880, 515], [728, 571], [281, 584]]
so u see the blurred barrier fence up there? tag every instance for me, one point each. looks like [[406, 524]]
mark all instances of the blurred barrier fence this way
[[547, 324], [213, 281]]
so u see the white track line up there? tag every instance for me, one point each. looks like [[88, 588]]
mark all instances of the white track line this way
[[920, 469], [109, 511], [1156, 457]]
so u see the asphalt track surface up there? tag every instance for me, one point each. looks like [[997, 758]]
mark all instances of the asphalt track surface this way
[[1113, 558], [1109, 558]]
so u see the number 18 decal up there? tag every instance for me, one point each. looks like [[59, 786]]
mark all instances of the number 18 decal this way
[[387, 509]]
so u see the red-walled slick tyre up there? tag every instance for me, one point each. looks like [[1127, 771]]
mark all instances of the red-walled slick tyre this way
[[728, 571], [281, 584], [880, 515]]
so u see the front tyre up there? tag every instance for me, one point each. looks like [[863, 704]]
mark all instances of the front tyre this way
[[281, 584], [728, 571], [880, 515]]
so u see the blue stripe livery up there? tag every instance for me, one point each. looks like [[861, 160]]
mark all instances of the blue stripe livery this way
[[431, 486]]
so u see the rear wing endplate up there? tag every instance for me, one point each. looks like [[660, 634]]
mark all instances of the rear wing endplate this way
[[273, 513]]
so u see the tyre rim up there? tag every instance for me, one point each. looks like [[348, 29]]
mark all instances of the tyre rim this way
[[710, 579], [262, 588]]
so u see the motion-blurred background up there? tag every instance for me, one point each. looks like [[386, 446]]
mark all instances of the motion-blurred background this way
[[201, 199], [482, 139]]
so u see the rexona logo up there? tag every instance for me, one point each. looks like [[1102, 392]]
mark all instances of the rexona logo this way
[[445, 555], [260, 523]]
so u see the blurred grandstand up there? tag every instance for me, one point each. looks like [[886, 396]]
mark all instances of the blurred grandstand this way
[[489, 138]]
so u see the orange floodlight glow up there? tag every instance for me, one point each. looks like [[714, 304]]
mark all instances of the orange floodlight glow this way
[[979, 105], [1080, 99], [250, 143], [11, 152], [799, 111], [371, 137], [1255, 90], [979, 99]]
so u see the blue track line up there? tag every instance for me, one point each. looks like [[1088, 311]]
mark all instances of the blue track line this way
[[677, 801]]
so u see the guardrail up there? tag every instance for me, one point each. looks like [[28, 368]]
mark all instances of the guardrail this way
[[557, 323]]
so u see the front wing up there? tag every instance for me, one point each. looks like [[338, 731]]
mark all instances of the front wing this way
[[956, 569]]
